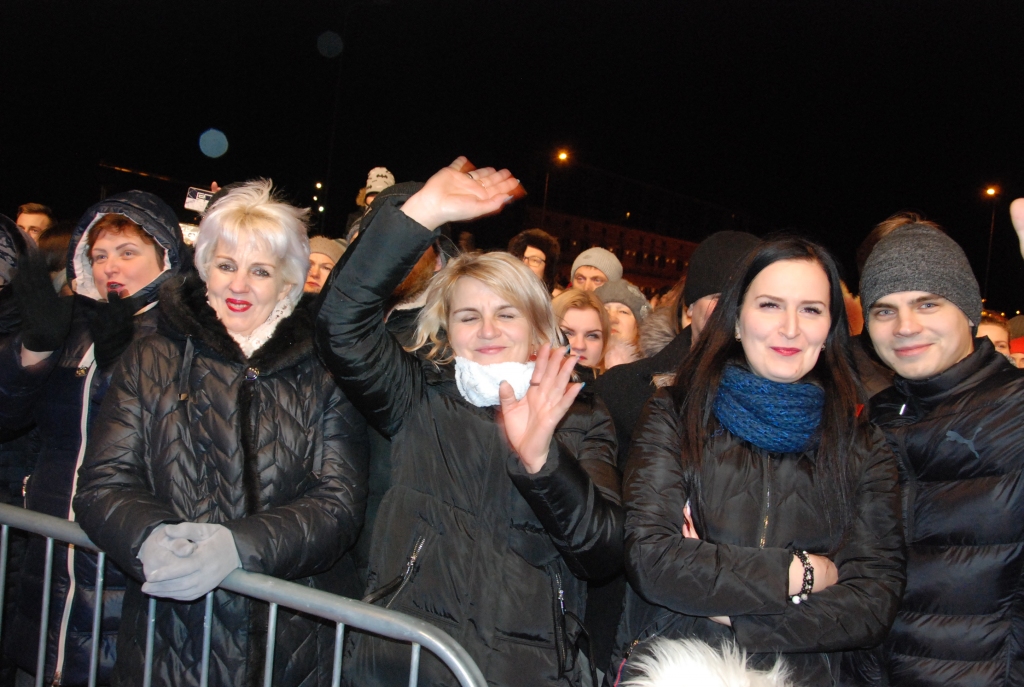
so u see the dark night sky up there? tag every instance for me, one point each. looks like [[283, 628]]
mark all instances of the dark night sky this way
[[824, 117]]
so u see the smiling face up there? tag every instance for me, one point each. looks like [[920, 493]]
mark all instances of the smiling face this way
[[623, 322], [582, 328], [484, 327], [784, 320], [919, 334], [243, 286], [320, 267], [123, 262]]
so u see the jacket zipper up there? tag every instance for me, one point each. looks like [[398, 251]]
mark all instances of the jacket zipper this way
[[560, 635], [410, 566], [767, 503], [89, 362]]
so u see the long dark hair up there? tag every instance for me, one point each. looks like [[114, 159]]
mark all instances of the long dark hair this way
[[701, 373]]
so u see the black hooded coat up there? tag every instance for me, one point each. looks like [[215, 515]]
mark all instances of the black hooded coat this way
[[62, 395]]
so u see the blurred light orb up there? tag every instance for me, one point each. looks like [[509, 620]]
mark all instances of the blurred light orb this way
[[329, 44], [213, 143]]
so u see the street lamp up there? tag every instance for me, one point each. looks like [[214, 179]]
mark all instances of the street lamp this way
[[992, 192], [562, 156]]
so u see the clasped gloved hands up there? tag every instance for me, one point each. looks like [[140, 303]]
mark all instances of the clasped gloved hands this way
[[112, 326], [187, 560], [45, 316]]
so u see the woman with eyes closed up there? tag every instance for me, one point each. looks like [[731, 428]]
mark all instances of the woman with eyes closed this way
[[761, 506], [223, 443], [504, 497]]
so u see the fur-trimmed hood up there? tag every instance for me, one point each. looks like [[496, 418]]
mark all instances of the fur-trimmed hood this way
[[185, 312], [658, 330]]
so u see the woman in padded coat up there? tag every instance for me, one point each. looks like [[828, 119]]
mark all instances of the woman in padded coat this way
[[761, 506], [55, 372], [224, 443], [504, 497]]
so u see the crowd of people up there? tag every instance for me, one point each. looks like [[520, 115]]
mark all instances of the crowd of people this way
[[774, 476]]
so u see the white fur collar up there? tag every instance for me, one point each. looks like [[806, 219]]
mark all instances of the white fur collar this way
[[261, 335]]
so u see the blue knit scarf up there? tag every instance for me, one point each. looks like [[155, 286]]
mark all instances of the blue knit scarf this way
[[777, 417]]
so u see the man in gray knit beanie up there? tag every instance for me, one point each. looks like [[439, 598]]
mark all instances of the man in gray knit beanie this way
[[921, 301], [954, 416]]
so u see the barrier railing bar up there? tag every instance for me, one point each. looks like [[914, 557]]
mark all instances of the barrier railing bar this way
[[204, 674], [147, 670], [4, 534], [268, 666], [339, 638], [414, 665], [97, 618], [44, 621], [316, 602]]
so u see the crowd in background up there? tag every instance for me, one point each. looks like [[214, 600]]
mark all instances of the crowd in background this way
[[767, 473]]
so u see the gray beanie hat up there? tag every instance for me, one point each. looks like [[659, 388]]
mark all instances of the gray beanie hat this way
[[621, 291], [916, 257], [329, 247], [600, 258]]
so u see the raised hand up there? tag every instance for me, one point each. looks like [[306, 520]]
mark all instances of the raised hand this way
[[452, 195], [530, 422]]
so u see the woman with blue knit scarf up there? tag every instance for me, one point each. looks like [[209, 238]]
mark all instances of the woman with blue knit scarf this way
[[762, 508]]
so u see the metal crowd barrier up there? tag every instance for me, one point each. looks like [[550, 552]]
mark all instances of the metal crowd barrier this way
[[344, 612]]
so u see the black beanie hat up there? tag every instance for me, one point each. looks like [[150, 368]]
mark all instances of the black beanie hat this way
[[916, 257], [712, 263]]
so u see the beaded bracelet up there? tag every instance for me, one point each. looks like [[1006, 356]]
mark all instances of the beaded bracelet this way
[[808, 584]]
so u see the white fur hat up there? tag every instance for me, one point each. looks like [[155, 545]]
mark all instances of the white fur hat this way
[[673, 662], [379, 179]]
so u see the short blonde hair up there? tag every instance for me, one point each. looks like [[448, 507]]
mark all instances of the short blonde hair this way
[[578, 299], [251, 212], [501, 272]]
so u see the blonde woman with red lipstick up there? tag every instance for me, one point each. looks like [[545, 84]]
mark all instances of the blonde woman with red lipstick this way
[[504, 497], [762, 507], [55, 372], [223, 443]]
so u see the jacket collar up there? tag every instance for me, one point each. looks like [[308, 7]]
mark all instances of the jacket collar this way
[[965, 375], [186, 313]]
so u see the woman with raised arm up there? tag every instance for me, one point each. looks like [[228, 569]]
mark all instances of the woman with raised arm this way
[[761, 506], [223, 443], [504, 497]]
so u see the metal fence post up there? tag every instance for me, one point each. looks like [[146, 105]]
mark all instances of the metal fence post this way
[[44, 621], [97, 618]]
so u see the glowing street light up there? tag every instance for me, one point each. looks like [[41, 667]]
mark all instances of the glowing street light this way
[[319, 185], [992, 192], [563, 155], [321, 208]]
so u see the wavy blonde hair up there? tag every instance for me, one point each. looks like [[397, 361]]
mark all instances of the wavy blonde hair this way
[[501, 272]]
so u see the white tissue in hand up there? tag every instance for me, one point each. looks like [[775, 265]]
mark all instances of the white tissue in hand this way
[[479, 384]]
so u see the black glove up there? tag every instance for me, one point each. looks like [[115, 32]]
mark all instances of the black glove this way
[[45, 316], [112, 326]]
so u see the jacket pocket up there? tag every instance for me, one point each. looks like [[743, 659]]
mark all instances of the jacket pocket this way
[[397, 585]]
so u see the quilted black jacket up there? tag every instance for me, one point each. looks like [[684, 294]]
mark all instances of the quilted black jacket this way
[[62, 395], [268, 447], [959, 438], [494, 553], [757, 507]]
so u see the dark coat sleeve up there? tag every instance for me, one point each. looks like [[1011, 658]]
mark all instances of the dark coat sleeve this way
[[115, 503], [306, 536], [576, 495], [368, 363], [688, 576], [20, 386], [858, 611]]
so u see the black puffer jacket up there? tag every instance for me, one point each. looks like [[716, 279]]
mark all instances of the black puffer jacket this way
[[959, 438], [493, 550], [62, 395], [757, 508], [268, 447]]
